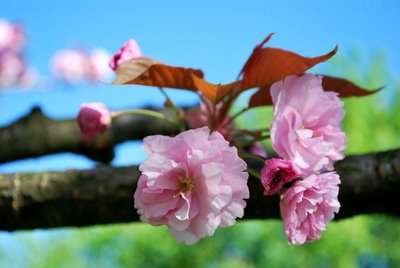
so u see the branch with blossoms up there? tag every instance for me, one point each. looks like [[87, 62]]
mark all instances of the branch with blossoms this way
[[370, 184], [197, 180], [49, 136]]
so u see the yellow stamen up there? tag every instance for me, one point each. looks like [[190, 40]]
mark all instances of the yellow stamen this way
[[186, 184]]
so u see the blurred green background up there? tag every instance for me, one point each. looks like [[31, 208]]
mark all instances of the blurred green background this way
[[371, 123]]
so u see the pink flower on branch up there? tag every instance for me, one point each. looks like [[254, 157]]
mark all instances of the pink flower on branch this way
[[277, 172], [93, 119], [308, 205], [192, 183], [306, 125], [128, 51]]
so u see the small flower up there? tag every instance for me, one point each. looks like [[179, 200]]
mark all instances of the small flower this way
[[308, 205], [12, 37], [128, 51], [98, 60], [93, 119], [192, 183], [12, 68], [277, 172], [306, 125], [77, 65], [70, 65]]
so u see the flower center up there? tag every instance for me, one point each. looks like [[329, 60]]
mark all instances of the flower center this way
[[186, 184]]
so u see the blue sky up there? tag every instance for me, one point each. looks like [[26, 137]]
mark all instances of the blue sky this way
[[216, 36]]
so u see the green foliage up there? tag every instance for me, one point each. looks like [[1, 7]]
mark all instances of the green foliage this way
[[371, 123], [367, 241]]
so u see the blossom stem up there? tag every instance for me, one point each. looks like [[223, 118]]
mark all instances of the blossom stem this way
[[252, 156], [180, 124], [250, 142], [167, 97], [245, 131], [148, 113], [254, 173], [233, 117]]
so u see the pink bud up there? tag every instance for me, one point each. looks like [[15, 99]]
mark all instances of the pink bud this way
[[277, 172], [93, 119], [128, 51]]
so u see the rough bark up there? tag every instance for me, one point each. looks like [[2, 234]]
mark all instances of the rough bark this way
[[370, 184], [47, 136]]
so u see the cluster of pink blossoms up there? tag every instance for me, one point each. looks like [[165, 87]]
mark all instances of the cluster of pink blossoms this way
[[13, 67], [306, 133], [93, 118], [77, 65], [196, 181]]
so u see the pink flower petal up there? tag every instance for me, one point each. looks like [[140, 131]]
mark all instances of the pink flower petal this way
[[306, 124], [199, 180], [307, 206]]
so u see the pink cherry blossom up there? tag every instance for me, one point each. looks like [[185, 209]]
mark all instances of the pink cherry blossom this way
[[128, 51], [98, 60], [12, 37], [277, 172], [192, 183], [77, 65], [308, 205], [12, 68], [93, 119], [306, 125], [71, 65]]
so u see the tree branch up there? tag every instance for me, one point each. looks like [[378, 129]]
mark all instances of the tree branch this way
[[35, 135], [370, 184]]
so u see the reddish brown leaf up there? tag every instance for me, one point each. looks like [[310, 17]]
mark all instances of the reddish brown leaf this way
[[149, 72], [213, 92], [268, 65], [132, 69], [264, 67], [262, 97], [253, 55], [344, 87]]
